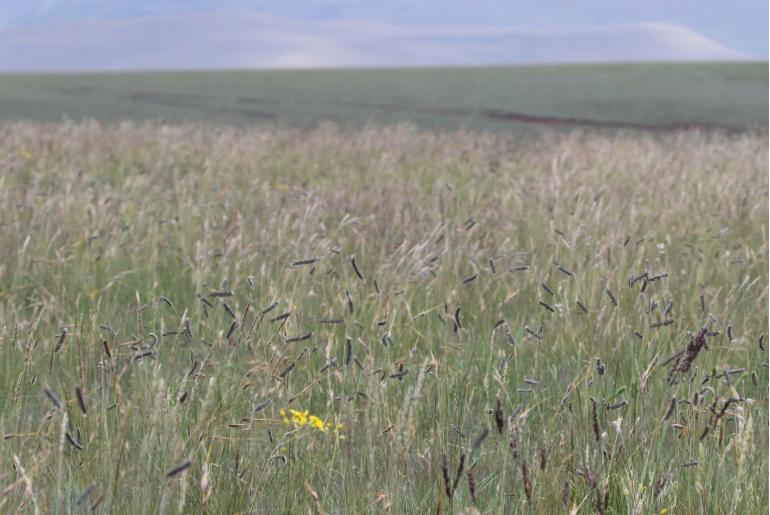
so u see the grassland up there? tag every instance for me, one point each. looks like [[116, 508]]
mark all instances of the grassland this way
[[530, 310], [729, 95]]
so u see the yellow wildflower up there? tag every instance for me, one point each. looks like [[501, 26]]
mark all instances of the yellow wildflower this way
[[299, 417], [317, 423], [663, 511]]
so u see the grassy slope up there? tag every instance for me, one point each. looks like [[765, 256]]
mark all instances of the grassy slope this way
[[725, 94], [98, 224]]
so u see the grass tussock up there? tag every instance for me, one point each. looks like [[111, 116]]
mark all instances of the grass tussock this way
[[225, 321]]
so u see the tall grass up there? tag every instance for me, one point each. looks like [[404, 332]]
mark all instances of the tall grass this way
[[497, 325]]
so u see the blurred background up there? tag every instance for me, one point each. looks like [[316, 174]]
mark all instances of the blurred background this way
[[629, 63]]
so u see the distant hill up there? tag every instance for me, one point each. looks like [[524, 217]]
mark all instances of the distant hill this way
[[230, 39], [639, 96], [739, 25]]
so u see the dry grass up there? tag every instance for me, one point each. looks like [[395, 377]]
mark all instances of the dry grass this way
[[497, 339]]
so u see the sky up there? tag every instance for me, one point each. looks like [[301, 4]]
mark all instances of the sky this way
[[141, 34]]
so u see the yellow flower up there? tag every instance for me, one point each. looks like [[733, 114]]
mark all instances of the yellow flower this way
[[299, 417], [303, 418], [317, 423], [663, 511]]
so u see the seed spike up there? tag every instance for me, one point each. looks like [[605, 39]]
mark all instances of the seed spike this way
[[81, 400], [178, 469], [612, 298], [357, 270]]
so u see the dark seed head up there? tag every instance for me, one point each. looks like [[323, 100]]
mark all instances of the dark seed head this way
[[52, 397], [178, 469], [81, 400], [499, 416], [612, 298]]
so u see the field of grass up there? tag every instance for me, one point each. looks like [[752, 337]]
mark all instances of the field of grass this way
[[572, 324], [730, 95]]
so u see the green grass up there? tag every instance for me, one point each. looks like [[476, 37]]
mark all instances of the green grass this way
[[724, 94], [113, 233]]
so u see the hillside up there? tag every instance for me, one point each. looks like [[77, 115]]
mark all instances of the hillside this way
[[635, 96], [243, 39]]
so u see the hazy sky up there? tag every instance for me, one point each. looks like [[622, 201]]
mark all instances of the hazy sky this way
[[739, 24], [37, 32]]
